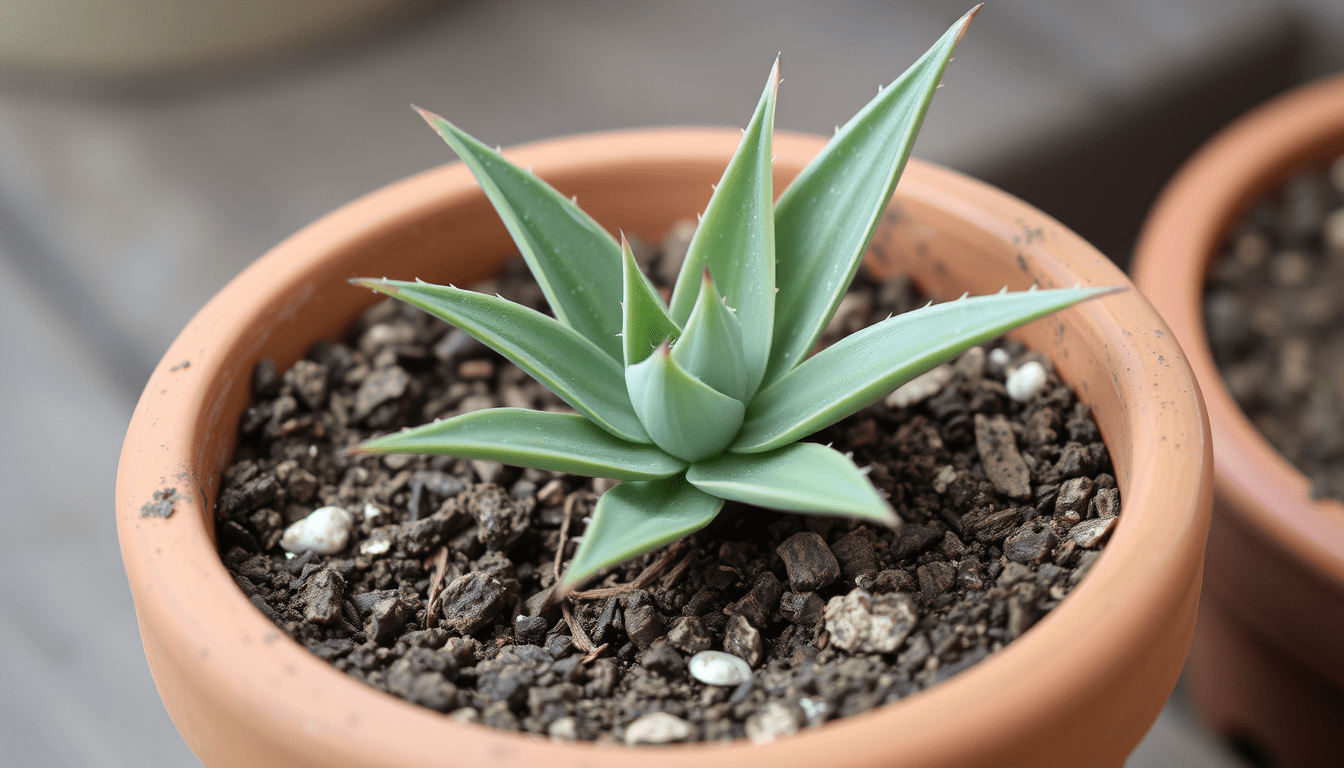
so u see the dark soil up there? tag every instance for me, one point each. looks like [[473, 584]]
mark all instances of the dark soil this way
[[441, 596], [1274, 308]]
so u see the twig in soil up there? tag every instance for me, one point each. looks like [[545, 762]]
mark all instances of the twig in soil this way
[[673, 576], [570, 501], [581, 638], [641, 581], [436, 586], [591, 657]]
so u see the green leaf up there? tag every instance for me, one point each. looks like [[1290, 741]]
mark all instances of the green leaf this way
[[803, 477], [683, 415], [559, 442], [576, 262], [867, 365], [565, 362], [826, 217], [646, 324], [710, 348], [634, 518], [736, 241]]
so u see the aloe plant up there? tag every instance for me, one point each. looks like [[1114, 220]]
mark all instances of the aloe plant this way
[[705, 398]]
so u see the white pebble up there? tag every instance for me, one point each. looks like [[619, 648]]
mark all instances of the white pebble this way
[[773, 722], [999, 359], [325, 532], [379, 542], [920, 388], [1026, 381], [370, 511], [658, 728], [719, 668]]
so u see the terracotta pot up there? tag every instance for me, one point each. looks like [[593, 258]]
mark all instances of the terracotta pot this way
[[1081, 687], [1268, 664]]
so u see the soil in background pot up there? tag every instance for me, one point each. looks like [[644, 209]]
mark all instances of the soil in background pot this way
[[1273, 308], [441, 594]]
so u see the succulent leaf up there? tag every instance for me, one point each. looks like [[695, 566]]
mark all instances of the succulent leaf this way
[[736, 241], [645, 322], [683, 415], [565, 362], [862, 367], [802, 477], [575, 261], [559, 442], [634, 518], [825, 218], [710, 348]]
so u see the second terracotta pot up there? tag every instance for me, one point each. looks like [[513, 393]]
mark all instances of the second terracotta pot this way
[[1267, 669], [1079, 688]]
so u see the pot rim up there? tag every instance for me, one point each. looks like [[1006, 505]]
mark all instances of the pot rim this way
[[1153, 555], [1191, 217]]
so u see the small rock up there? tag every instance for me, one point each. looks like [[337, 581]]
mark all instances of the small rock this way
[[719, 668], [971, 364], [322, 595], [471, 600], [326, 532], [559, 646], [920, 388], [688, 635], [658, 728], [377, 388], [998, 452], [1028, 545], [608, 622], [388, 619], [529, 630], [743, 640], [758, 604], [642, 625], [803, 608], [935, 578], [856, 555], [861, 622], [945, 477], [501, 520], [1074, 496], [1106, 503], [810, 563], [1089, 533], [988, 525], [664, 661], [776, 720], [379, 542], [1026, 381], [309, 380], [913, 539], [564, 729]]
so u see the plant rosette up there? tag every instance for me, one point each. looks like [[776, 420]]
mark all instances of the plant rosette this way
[[1267, 666], [243, 694]]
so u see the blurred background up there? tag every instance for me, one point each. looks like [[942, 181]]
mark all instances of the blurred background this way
[[151, 149]]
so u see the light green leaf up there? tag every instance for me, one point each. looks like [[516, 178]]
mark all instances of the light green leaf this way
[[826, 217], [710, 348], [576, 262], [565, 362], [556, 441], [683, 415], [634, 518], [867, 365], [802, 477], [646, 324], [736, 241]]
